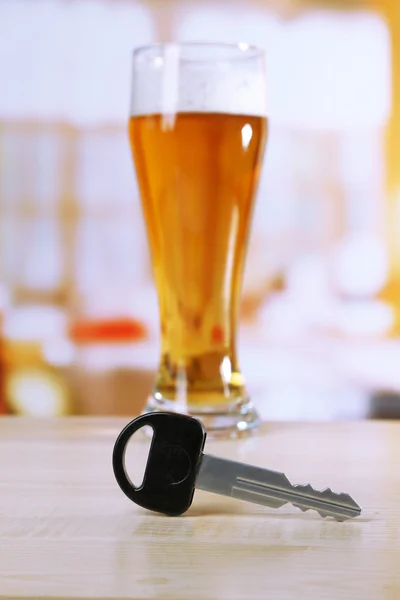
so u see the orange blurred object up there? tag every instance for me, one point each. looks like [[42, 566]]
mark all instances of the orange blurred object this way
[[3, 407], [3, 410], [112, 330], [391, 291]]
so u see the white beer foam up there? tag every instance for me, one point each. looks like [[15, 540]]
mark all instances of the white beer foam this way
[[169, 86]]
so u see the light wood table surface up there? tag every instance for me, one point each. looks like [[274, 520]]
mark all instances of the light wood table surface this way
[[67, 531]]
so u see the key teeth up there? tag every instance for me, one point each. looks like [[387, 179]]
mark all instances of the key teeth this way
[[328, 493], [339, 518], [322, 513], [307, 489], [340, 507], [325, 514], [285, 479], [344, 499]]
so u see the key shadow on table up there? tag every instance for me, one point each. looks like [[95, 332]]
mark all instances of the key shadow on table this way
[[209, 509], [266, 529]]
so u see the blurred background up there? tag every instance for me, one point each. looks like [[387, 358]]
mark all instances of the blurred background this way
[[320, 314]]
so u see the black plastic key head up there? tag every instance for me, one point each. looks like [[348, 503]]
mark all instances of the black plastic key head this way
[[171, 470]]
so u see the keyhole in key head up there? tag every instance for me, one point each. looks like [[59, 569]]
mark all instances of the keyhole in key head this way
[[137, 454]]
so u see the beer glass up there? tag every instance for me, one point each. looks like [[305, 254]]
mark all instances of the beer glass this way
[[197, 131]]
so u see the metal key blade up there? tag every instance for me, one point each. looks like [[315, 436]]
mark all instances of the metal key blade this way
[[270, 488]]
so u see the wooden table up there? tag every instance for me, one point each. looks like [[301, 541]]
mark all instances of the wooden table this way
[[67, 531]]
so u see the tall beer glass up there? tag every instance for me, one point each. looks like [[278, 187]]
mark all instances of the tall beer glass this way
[[197, 131]]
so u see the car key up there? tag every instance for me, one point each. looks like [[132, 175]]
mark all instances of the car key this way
[[176, 465]]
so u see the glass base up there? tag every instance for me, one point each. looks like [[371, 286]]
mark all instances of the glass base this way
[[236, 421]]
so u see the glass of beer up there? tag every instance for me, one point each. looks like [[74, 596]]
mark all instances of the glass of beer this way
[[197, 131]]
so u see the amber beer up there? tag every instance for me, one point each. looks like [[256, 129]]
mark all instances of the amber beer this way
[[197, 175]]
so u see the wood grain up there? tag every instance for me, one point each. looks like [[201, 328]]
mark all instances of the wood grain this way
[[67, 531]]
